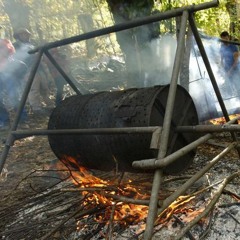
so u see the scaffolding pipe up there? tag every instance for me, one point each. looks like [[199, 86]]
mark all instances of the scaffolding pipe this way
[[23, 100], [209, 128], [208, 66], [210, 72], [152, 213], [91, 131], [160, 163], [65, 76], [164, 204]]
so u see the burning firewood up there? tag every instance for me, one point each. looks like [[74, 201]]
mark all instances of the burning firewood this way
[[209, 206]]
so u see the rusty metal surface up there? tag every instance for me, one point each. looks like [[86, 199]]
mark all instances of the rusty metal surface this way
[[130, 108]]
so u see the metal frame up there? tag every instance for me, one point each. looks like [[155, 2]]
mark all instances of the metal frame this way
[[160, 134]]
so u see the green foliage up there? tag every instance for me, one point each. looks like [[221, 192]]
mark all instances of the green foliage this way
[[212, 21], [51, 20]]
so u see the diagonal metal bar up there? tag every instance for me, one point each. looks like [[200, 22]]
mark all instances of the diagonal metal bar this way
[[65, 76], [210, 73], [208, 66], [160, 163], [195, 177]]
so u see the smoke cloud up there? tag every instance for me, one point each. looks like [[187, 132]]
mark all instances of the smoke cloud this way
[[159, 71]]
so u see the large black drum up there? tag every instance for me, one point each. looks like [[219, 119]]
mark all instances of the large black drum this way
[[129, 108]]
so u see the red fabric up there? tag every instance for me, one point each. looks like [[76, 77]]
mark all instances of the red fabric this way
[[6, 51], [6, 44]]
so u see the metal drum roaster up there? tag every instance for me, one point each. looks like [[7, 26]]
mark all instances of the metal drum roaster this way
[[140, 107]]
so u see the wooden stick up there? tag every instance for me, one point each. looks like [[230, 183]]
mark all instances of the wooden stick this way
[[209, 206], [195, 177], [189, 234], [84, 212], [110, 226]]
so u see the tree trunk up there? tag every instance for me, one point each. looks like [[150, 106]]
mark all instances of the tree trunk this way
[[133, 42], [86, 22], [234, 28], [18, 13]]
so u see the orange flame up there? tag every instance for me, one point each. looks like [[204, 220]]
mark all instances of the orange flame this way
[[123, 212], [174, 208], [221, 120]]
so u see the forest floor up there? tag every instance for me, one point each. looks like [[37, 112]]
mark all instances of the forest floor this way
[[41, 200], [31, 168]]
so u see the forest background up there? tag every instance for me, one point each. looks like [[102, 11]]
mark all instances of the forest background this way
[[51, 20]]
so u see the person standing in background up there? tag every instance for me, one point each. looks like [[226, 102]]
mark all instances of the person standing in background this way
[[40, 91], [12, 75], [230, 62], [56, 75]]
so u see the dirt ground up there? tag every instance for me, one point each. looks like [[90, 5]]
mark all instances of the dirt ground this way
[[25, 155], [32, 157]]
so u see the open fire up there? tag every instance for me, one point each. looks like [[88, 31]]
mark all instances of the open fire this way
[[221, 120], [90, 204], [125, 202], [111, 194], [98, 205]]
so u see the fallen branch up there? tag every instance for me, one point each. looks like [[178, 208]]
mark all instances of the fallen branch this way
[[179, 221], [127, 199], [229, 205], [174, 179], [90, 189], [164, 204], [209, 206], [234, 195], [84, 213], [229, 214], [208, 228], [110, 226]]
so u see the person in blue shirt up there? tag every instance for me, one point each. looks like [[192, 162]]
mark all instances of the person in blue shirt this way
[[230, 61]]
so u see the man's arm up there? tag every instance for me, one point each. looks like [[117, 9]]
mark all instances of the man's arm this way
[[235, 62]]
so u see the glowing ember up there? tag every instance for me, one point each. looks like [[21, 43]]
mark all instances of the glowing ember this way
[[221, 120], [113, 197], [103, 194], [174, 208]]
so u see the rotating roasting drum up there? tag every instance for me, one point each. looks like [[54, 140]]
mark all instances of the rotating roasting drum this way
[[129, 108]]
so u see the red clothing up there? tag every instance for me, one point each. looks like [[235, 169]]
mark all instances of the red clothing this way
[[7, 50]]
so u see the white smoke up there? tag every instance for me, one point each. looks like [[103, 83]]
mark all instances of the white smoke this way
[[200, 87], [163, 52]]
